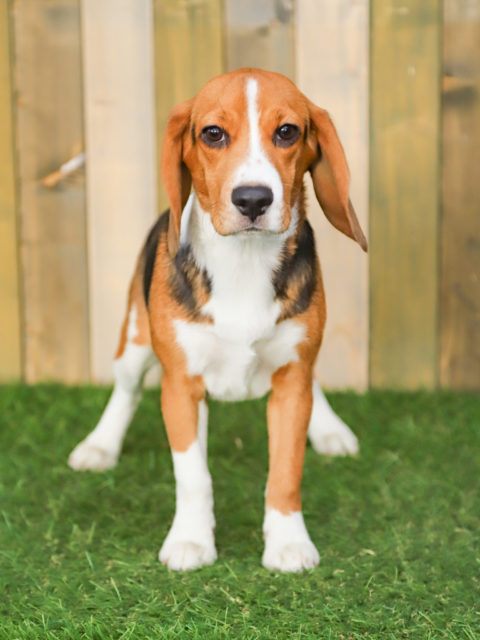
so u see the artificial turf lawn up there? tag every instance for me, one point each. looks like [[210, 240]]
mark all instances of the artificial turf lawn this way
[[397, 528]]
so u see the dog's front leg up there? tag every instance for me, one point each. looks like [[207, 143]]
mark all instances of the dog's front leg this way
[[287, 544], [190, 542]]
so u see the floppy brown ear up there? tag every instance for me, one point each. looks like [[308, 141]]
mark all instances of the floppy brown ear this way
[[331, 177], [175, 174]]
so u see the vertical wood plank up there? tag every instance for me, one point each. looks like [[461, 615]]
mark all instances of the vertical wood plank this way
[[188, 52], [10, 327], [53, 238], [332, 70], [405, 97], [460, 229], [260, 33], [120, 134]]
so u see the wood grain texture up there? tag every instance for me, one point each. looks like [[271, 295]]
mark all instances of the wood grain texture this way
[[117, 42], [460, 228], [404, 213], [53, 238], [10, 319], [260, 33], [332, 70], [188, 52]]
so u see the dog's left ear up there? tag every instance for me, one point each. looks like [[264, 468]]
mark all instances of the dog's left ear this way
[[331, 177], [175, 174]]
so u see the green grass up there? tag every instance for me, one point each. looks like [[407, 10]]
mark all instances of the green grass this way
[[398, 528]]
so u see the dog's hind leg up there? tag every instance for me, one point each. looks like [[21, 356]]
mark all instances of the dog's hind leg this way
[[327, 432], [101, 448]]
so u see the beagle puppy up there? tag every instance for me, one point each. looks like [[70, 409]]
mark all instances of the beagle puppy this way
[[227, 294]]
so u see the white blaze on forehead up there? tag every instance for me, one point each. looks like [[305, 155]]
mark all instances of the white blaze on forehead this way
[[253, 117], [256, 168]]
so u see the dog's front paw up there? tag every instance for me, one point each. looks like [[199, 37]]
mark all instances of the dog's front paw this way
[[293, 557], [87, 456], [287, 544], [182, 555], [190, 543]]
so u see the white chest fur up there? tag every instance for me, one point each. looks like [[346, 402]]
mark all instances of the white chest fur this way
[[237, 369], [237, 353]]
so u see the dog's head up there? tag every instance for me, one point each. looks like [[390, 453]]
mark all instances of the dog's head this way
[[245, 142]]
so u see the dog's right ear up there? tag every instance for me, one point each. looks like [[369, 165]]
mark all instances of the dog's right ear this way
[[175, 174]]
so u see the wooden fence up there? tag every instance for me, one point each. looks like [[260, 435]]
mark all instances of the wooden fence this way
[[402, 82]]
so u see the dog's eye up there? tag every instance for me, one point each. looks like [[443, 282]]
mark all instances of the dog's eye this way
[[214, 136], [286, 135]]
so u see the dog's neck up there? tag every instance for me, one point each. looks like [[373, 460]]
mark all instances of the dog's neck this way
[[269, 275]]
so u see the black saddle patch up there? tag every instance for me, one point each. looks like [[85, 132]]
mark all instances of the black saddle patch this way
[[149, 252], [295, 279], [190, 285]]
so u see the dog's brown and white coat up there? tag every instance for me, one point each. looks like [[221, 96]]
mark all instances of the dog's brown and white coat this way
[[228, 295]]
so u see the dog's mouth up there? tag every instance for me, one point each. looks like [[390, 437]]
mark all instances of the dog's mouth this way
[[230, 223], [250, 227], [252, 230]]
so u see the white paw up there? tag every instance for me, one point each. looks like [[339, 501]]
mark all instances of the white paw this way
[[333, 439], [181, 555], [88, 456], [291, 557], [327, 432], [287, 544]]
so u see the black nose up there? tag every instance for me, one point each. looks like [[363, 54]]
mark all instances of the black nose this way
[[252, 201]]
